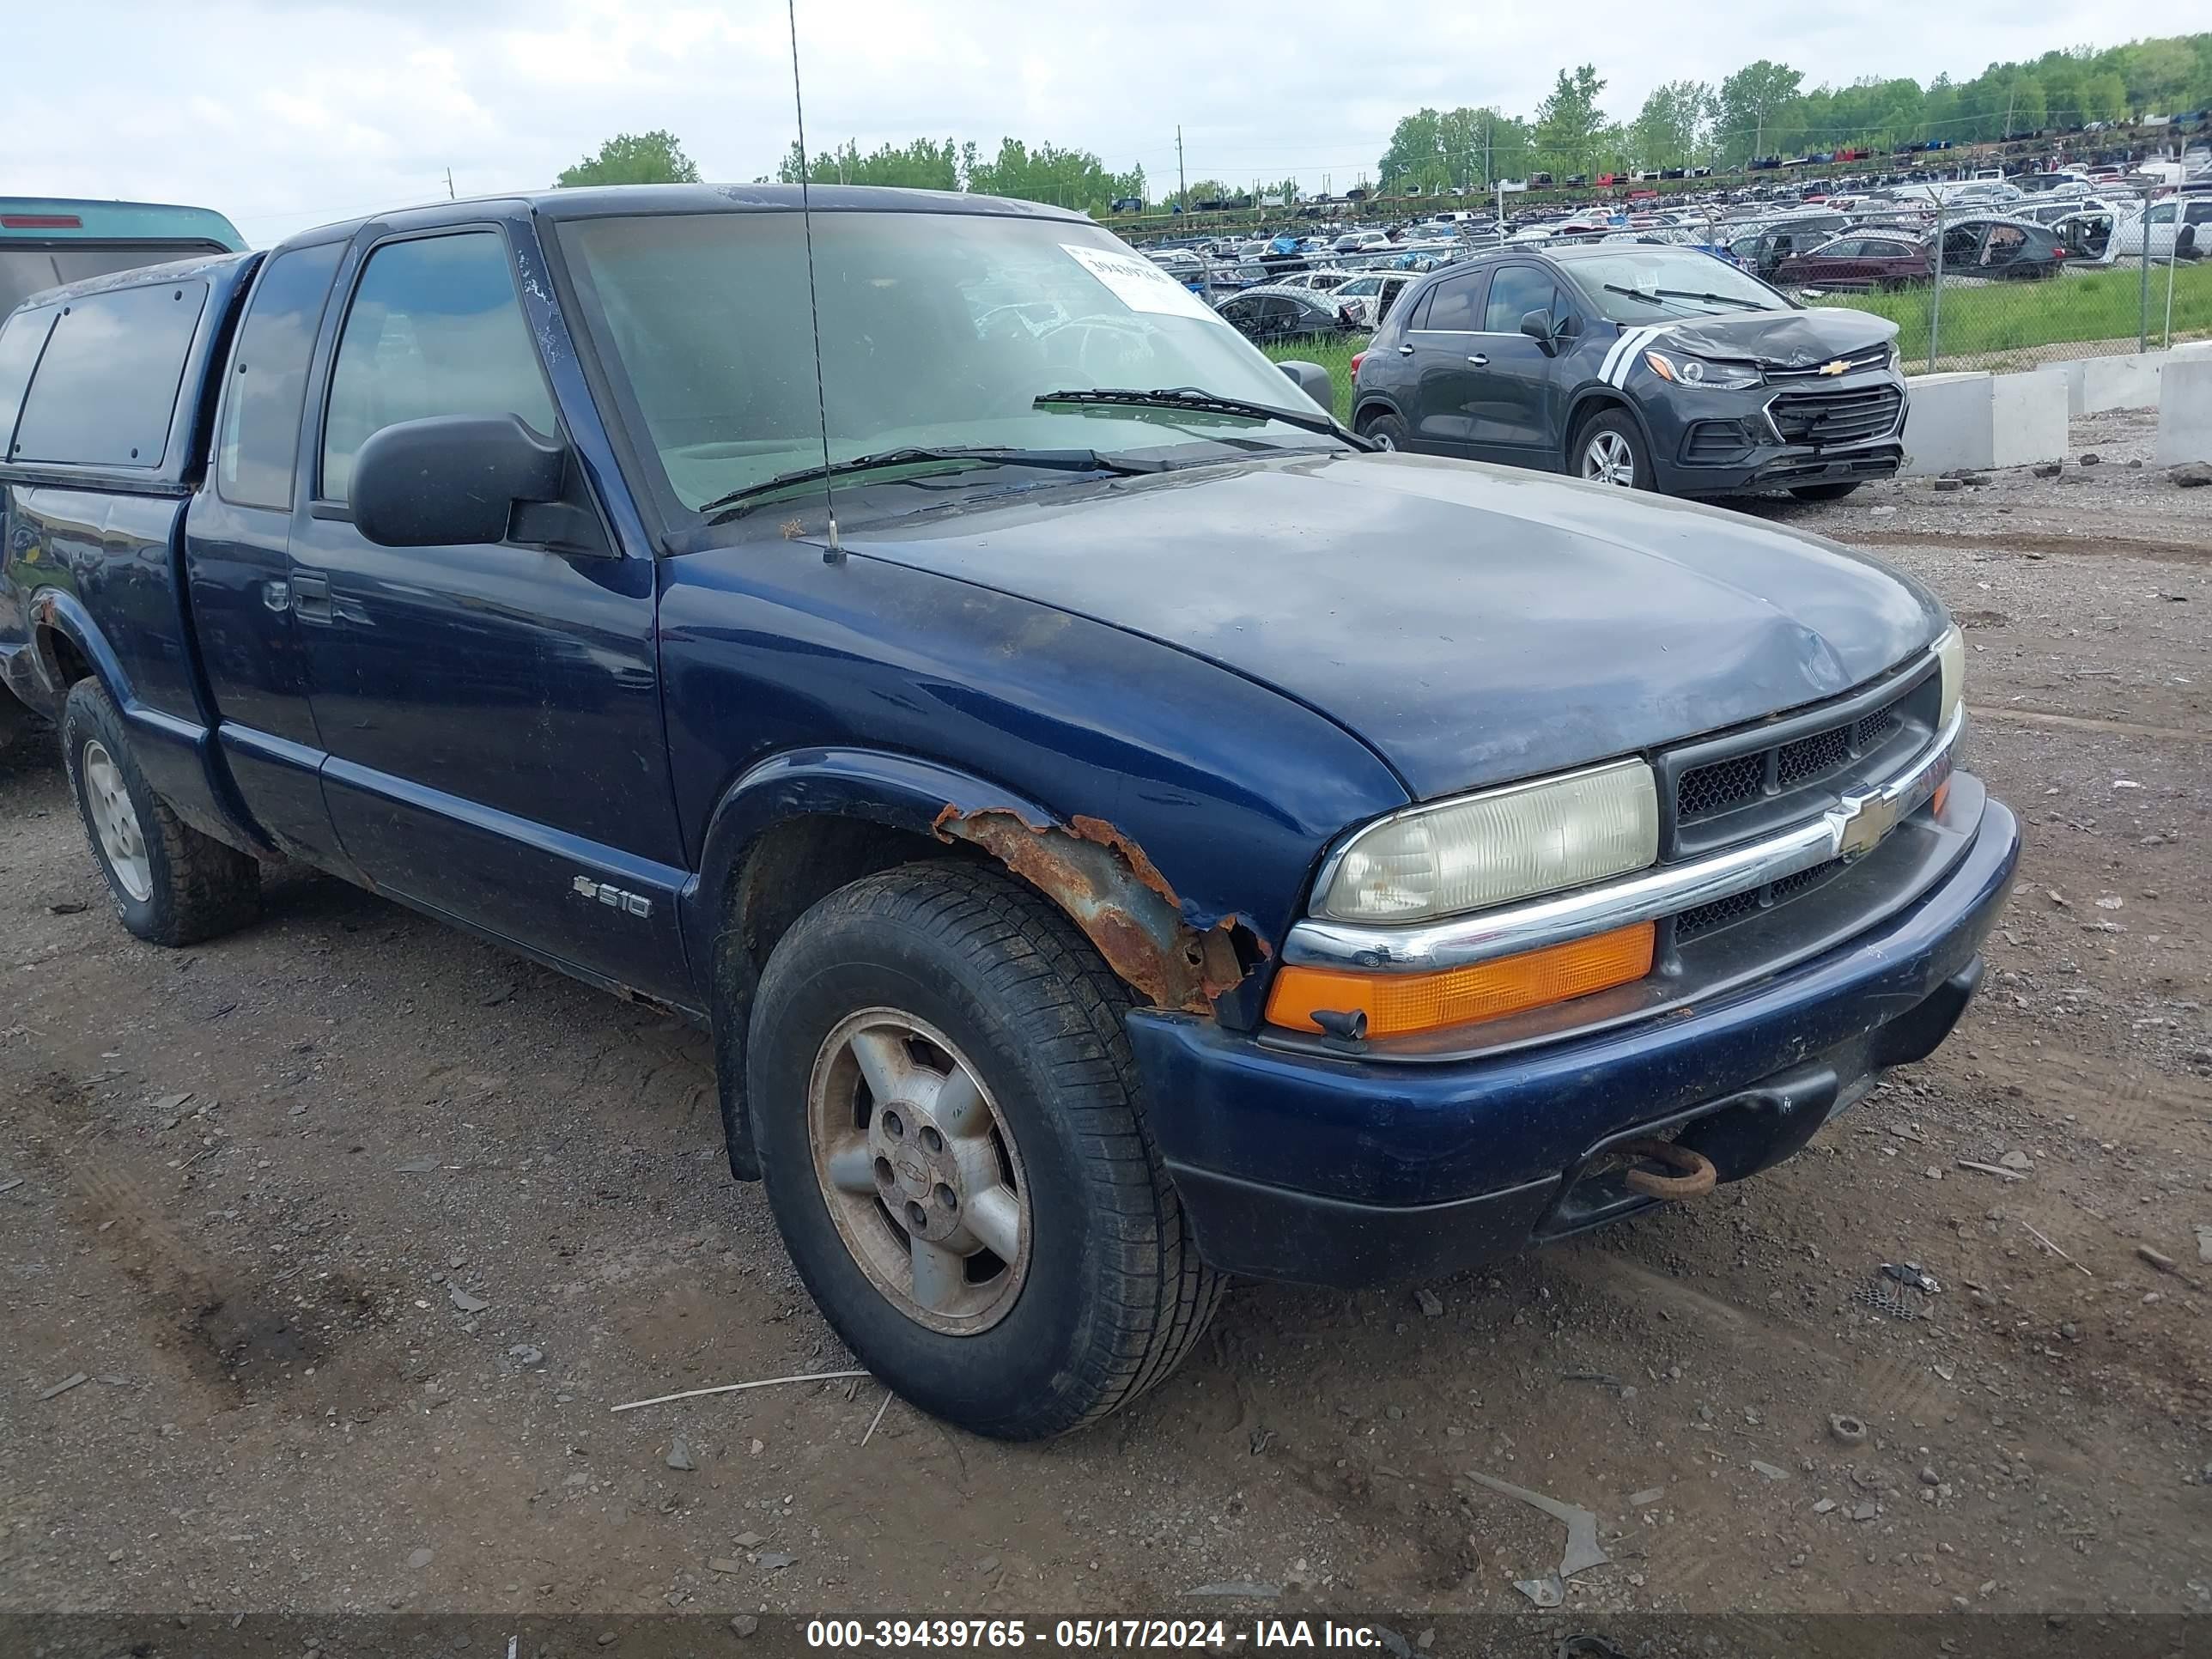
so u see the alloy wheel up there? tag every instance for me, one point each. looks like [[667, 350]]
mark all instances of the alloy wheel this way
[[920, 1171], [1608, 458], [115, 822]]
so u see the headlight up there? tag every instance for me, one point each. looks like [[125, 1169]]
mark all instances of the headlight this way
[[1702, 371], [1951, 656], [1504, 844]]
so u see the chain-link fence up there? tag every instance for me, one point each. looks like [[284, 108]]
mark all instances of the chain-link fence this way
[[1974, 289], [1984, 288]]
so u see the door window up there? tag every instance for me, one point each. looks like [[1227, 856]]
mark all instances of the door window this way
[[1516, 290], [259, 440], [1451, 305], [434, 329]]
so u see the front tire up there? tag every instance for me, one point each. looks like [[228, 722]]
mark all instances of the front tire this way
[[170, 884], [1609, 449], [1387, 431], [1834, 491], [954, 1148]]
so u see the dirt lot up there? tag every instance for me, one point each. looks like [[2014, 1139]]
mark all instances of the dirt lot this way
[[256, 1192]]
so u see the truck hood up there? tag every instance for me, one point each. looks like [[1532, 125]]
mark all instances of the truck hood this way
[[1782, 339], [1471, 624]]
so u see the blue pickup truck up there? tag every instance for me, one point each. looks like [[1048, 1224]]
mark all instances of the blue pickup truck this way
[[1121, 831]]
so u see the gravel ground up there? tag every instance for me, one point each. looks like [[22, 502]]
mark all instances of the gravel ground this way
[[357, 1227]]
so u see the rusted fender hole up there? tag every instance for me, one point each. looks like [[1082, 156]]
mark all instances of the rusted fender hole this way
[[1117, 895]]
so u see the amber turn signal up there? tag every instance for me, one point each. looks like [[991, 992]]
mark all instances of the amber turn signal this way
[[1399, 1005]]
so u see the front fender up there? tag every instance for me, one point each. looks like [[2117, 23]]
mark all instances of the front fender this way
[[1102, 881], [1106, 884], [899, 792], [1611, 397]]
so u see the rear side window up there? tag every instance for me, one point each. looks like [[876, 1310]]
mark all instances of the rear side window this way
[[22, 338], [260, 436], [434, 329], [1451, 305], [106, 387]]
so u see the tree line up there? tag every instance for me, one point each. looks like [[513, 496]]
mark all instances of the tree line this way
[[1044, 173], [1765, 109]]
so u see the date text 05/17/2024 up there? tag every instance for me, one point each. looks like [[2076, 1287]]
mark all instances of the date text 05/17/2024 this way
[[1215, 1635]]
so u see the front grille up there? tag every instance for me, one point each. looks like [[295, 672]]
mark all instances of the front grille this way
[[1710, 789], [1718, 786], [1871, 357], [1754, 781], [1877, 728], [1811, 758], [1705, 918], [1710, 918], [1842, 417]]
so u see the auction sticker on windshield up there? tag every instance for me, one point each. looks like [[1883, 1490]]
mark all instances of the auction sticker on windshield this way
[[1137, 283]]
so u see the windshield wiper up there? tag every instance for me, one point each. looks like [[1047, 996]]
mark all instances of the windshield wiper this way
[[1204, 403], [1659, 296], [1736, 301], [1060, 460]]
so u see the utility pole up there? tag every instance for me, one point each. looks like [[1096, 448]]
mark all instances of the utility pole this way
[[1183, 186], [449, 184], [2009, 96]]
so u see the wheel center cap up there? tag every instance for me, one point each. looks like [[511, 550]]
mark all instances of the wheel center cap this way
[[912, 1171]]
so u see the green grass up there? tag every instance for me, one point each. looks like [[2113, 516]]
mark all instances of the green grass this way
[[2031, 320], [1334, 355]]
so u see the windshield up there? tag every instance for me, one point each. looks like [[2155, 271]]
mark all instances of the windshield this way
[[938, 330], [1666, 282]]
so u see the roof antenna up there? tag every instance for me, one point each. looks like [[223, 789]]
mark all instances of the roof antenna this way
[[813, 304]]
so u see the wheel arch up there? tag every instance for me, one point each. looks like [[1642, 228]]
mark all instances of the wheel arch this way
[[797, 826], [68, 645], [1590, 402], [1368, 404]]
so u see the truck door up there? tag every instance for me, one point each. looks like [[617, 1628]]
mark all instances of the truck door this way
[[237, 558], [491, 711]]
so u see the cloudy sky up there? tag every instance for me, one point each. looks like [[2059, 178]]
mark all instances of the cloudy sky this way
[[285, 113]]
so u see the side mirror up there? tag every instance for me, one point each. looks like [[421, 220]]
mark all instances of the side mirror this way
[[1312, 379], [1537, 326], [453, 479]]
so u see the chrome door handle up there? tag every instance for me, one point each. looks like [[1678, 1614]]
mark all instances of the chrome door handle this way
[[1405, 351], [1479, 360]]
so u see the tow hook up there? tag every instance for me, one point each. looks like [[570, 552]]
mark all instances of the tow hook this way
[[1698, 1178]]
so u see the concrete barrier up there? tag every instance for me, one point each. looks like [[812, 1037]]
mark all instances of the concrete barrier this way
[[2185, 411], [1947, 422], [2128, 381], [2027, 417], [1974, 419]]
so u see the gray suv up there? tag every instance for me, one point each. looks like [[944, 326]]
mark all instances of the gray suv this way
[[1654, 368]]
